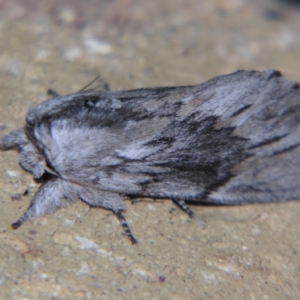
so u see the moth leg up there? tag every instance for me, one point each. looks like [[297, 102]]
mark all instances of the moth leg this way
[[125, 226], [13, 140], [53, 194], [111, 201], [25, 217], [30, 160], [184, 207]]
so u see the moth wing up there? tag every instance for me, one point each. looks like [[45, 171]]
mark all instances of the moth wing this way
[[228, 140], [270, 119], [240, 144]]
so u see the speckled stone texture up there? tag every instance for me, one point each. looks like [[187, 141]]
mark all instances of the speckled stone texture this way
[[249, 252]]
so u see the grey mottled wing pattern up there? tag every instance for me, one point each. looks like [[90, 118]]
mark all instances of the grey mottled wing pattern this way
[[219, 141]]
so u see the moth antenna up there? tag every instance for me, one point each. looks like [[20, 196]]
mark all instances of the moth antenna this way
[[182, 204], [89, 84], [105, 84], [106, 87], [125, 226]]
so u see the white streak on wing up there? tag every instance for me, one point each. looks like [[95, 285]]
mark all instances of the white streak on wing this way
[[74, 151], [188, 99], [227, 101], [136, 151], [122, 183], [65, 144], [110, 160], [130, 124]]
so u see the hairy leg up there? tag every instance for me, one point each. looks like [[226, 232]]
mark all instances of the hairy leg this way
[[30, 159], [53, 194], [111, 201], [125, 226], [184, 207]]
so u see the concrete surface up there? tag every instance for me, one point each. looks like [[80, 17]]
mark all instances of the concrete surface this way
[[249, 252]]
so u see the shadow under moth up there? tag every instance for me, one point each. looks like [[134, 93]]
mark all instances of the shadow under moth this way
[[234, 139]]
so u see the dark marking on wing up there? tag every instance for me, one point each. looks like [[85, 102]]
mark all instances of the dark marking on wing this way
[[287, 149], [239, 111], [268, 141]]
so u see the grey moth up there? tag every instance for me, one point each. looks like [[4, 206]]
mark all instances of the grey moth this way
[[234, 139]]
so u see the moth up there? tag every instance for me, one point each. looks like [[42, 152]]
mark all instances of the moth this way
[[234, 139]]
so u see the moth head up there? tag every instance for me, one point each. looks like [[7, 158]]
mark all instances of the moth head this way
[[54, 108]]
